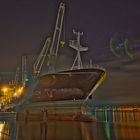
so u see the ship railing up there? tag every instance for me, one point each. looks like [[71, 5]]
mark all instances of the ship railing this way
[[94, 66]]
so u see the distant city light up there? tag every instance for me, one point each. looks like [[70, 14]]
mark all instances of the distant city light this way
[[5, 89], [9, 92], [15, 94]]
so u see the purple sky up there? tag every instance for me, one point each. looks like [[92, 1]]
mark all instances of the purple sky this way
[[24, 25]]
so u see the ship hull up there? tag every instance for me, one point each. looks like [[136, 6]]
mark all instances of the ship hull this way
[[67, 85]]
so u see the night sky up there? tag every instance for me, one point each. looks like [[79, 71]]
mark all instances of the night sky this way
[[25, 24]]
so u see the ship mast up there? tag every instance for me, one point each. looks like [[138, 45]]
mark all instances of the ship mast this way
[[75, 44]]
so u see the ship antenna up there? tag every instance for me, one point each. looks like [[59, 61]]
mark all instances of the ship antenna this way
[[75, 44]]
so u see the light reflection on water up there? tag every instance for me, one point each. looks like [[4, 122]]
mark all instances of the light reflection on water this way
[[4, 130], [73, 130]]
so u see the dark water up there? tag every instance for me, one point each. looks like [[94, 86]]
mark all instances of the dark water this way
[[120, 125]]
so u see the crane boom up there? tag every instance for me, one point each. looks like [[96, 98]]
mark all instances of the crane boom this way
[[51, 46], [55, 39], [57, 30], [40, 60]]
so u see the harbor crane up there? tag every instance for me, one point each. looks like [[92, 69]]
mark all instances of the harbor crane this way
[[41, 58], [53, 52], [16, 79], [24, 78], [50, 48]]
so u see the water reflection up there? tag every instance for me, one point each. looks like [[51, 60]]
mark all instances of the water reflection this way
[[62, 130], [129, 131], [119, 126], [119, 114], [8, 130], [4, 131]]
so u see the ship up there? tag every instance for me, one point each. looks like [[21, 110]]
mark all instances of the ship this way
[[75, 83], [61, 92], [64, 94]]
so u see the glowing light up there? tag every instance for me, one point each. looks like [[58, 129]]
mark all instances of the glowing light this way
[[15, 94], [10, 91], [20, 90], [1, 129], [5, 89], [62, 43]]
